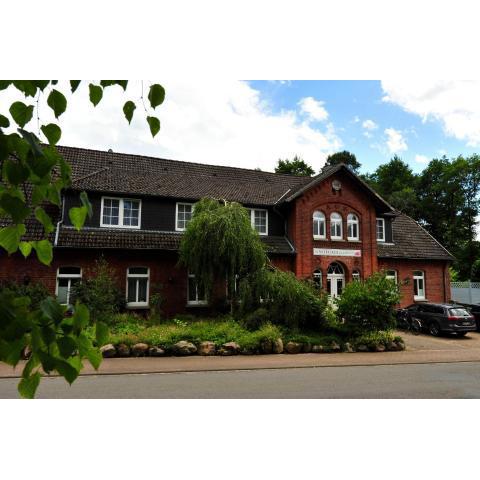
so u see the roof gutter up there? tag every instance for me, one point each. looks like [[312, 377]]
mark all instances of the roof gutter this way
[[57, 232]]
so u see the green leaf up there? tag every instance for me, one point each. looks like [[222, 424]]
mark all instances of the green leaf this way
[[27, 387], [15, 172], [25, 248], [5, 84], [81, 316], [14, 207], [96, 94], [101, 333], [86, 203], [67, 346], [26, 86], [42, 216], [4, 122], [52, 309], [77, 216], [128, 110], [57, 102], [10, 237], [154, 124], [67, 371], [94, 356], [33, 141], [21, 113], [52, 132], [74, 85], [41, 84], [156, 95], [44, 251]]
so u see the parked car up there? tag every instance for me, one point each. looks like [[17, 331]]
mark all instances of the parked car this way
[[475, 311], [440, 318]]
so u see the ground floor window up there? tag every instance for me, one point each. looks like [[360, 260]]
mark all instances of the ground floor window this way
[[391, 275], [317, 279], [356, 275], [67, 277], [195, 294], [138, 279], [418, 285]]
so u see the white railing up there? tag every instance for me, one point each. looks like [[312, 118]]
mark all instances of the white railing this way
[[465, 292]]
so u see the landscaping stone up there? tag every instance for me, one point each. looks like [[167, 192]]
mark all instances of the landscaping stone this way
[[206, 348], [293, 347], [379, 347], [108, 351], [139, 349], [335, 347], [266, 346], [348, 348], [392, 346], [184, 348], [277, 346], [318, 349], [400, 345], [362, 348], [307, 347], [230, 348], [123, 350], [248, 351], [156, 352]]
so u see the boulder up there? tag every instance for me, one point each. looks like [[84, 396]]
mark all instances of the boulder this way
[[230, 348], [348, 348], [318, 349], [123, 350], [400, 345], [293, 347], [266, 346], [379, 347], [156, 352], [392, 346], [277, 346], [206, 348], [335, 347], [307, 347], [139, 350], [108, 351], [184, 348], [362, 348]]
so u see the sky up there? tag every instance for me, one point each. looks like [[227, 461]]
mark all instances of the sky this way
[[252, 124]]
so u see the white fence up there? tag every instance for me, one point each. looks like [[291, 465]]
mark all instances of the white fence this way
[[465, 292]]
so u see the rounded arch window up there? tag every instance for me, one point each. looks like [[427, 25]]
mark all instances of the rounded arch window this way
[[352, 227], [335, 269], [318, 224], [336, 230]]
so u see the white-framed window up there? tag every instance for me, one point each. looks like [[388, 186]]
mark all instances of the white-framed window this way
[[418, 285], [319, 229], [195, 294], [183, 215], [120, 212], [352, 227], [392, 275], [67, 277], [356, 275], [317, 279], [138, 286], [259, 219], [336, 228], [381, 229]]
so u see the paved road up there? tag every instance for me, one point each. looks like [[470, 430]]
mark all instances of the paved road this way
[[438, 380]]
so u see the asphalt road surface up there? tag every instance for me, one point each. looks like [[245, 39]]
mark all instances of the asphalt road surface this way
[[438, 380]]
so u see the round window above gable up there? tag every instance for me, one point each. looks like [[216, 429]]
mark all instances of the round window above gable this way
[[336, 185]]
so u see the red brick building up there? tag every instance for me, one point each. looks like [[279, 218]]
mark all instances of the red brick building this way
[[332, 228]]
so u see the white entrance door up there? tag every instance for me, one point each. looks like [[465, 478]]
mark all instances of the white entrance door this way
[[335, 280]]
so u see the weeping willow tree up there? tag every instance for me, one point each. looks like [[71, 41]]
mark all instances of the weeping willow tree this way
[[220, 244]]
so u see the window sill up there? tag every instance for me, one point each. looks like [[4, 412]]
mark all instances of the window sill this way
[[319, 238], [356, 240], [137, 306], [419, 299], [127, 227], [197, 304]]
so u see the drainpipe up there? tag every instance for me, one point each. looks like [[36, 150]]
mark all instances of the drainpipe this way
[[57, 232]]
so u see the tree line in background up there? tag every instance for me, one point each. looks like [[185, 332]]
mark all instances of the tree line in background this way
[[444, 198]]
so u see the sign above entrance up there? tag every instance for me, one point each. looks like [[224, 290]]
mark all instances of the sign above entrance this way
[[336, 252]]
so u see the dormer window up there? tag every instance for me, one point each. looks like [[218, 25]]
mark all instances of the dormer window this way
[[120, 212], [259, 219], [380, 229], [183, 216]]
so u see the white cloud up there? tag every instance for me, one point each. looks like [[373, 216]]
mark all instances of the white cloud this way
[[395, 141], [369, 125], [422, 159], [224, 123], [314, 109], [455, 104]]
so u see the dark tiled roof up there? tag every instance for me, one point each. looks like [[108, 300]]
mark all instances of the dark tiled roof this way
[[142, 239], [412, 241], [122, 173]]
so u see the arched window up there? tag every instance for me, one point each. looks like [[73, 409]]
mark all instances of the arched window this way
[[418, 285], [335, 269], [356, 275], [317, 279], [318, 225], [352, 227], [336, 230]]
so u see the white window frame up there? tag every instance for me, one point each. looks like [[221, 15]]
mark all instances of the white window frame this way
[[382, 220], [393, 277], [137, 275], [197, 301], [356, 275], [321, 218], [336, 237], [120, 213], [177, 228], [252, 219], [419, 277], [353, 222], [68, 276]]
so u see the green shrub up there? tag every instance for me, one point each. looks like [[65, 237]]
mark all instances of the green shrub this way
[[35, 291], [371, 339], [255, 320], [368, 305]]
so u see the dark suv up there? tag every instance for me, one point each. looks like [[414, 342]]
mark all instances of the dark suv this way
[[443, 317]]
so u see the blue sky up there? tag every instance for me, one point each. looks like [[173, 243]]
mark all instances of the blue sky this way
[[350, 103]]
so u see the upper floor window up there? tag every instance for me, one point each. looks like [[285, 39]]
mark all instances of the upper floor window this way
[[418, 285], [336, 229], [259, 219], [391, 275], [352, 227], [381, 229], [318, 225], [67, 277], [183, 216], [138, 279], [195, 294], [120, 212]]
